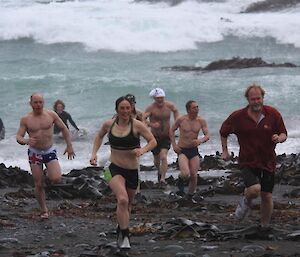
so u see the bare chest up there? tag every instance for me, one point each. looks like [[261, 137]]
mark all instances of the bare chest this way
[[36, 124], [159, 114], [188, 126]]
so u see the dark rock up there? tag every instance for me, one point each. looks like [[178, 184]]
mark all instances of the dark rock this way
[[234, 63], [271, 5]]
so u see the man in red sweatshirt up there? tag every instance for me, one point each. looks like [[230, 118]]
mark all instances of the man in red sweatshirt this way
[[258, 128]]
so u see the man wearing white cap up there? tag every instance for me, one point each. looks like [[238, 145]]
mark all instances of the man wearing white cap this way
[[159, 114]]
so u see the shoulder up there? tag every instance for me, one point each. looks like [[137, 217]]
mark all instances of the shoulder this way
[[181, 118], [170, 104], [271, 110], [51, 113], [238, 113], [149, 107], [201, 120]]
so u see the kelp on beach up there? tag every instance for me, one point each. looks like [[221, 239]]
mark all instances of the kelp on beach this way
[[82, 221]]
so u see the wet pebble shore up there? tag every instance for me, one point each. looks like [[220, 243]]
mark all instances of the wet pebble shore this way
[[82, 216]]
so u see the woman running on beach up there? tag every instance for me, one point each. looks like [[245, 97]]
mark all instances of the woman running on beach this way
[[123, 134]]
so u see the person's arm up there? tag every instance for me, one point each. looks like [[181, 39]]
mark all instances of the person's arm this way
[[145, 133], [175, 112], [281, 134], [72, 122], [146, 116], [98, 141], [66, 135], [205, 132], [225, 153], [20, 137], [226, 129], [172, 135], [279, 138]]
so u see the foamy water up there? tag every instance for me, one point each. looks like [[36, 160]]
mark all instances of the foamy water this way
[[124, 26], [88, 53]]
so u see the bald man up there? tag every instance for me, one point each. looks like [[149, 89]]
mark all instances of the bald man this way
[[38, 124]]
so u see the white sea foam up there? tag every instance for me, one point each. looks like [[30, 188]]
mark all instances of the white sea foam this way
[[127, 26]]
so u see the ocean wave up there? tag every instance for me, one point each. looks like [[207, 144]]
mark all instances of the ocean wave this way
[[126, 26]]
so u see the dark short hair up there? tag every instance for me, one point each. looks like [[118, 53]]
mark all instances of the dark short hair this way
[[57, 102], [131, 98], [254, 86], [119, 100], [188, 104]]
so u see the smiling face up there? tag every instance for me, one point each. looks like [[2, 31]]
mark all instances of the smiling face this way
[[255, 100], [124, 109]]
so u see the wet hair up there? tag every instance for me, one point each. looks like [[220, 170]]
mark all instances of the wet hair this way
[[254, 86], [131, 98], [188, 104], [57, 102], [119, 100]]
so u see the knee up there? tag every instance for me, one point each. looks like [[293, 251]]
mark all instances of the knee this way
[[253, 191], [193, 177], [163, 157], [56, 180], [123, 202]]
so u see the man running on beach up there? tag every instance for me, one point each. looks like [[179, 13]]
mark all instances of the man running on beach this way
[[159, 114], [187, 147], [39, 126], [258, 128]]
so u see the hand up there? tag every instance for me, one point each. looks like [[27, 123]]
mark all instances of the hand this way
[[177, 149], [275, 139], [225, 155], [32, 141], [138, 152], [155, 125], [93, 160], [70, 151], [196, 142]]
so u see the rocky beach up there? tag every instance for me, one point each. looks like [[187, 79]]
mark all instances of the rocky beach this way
[[82, 216]]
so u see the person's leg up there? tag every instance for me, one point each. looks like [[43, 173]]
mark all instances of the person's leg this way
[[131, 194], [266, 208], [117, 185], [194, 165], [54, 171], [184, 174], [156, 160], [252, 192], [38, 177], [251, 179], [163, 164], [184, 168]]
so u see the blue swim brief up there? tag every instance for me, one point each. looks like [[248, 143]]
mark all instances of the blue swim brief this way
[[38, 157]]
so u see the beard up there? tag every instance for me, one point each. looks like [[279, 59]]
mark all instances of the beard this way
[[256, 107]]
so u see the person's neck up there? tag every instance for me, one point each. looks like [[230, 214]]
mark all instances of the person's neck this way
[[255, 115], [192, 116], [122, 122]]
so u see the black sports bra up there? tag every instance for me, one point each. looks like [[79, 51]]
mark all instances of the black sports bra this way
[[128, 142]]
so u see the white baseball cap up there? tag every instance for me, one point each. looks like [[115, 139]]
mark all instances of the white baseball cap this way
[[157, 92]]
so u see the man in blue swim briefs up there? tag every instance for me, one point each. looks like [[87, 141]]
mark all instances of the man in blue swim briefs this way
[[187, 147], [38, 124]]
